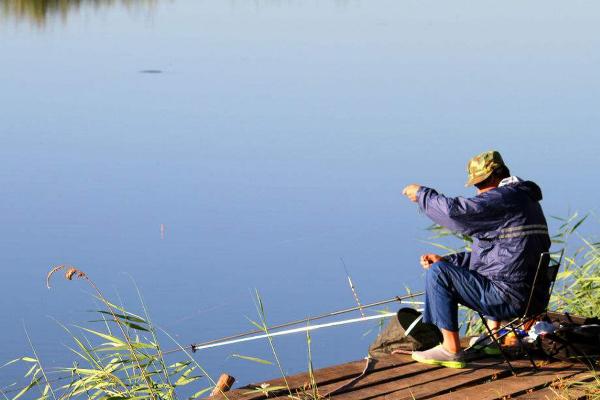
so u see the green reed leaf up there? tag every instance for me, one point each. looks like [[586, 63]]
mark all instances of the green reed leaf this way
[[253, 359]]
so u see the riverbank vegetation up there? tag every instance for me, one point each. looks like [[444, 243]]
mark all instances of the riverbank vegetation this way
[[38, 11], [123, 359]]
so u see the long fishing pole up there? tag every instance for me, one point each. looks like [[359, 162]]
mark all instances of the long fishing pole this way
[[307, 328], [195, 346]]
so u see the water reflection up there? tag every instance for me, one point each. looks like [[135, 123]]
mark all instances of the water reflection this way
[[39, 12]]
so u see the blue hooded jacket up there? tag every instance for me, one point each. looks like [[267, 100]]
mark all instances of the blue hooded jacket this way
[[508, 228]]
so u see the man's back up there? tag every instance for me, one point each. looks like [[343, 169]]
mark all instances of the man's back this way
[[510, 254]]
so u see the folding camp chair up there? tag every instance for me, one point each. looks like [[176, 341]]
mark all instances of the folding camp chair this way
[[545, 276]]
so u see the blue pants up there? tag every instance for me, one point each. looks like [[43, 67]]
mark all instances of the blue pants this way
[[447, 285]]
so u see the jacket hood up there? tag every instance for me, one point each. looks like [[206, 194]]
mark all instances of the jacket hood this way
[[530, 188]]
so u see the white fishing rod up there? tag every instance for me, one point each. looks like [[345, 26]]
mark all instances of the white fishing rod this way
[[307, 328]]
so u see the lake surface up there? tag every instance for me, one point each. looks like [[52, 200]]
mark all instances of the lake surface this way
[[269, 138]]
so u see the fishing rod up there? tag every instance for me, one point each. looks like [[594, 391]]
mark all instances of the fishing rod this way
[[232, 338], [307, 328]]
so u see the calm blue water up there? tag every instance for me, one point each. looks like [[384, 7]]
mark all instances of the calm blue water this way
[[276, 140]]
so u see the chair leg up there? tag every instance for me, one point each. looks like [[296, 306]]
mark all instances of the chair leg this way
[[497, 342], [522, 346]]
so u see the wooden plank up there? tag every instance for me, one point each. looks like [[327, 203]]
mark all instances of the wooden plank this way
[[561, 391], [323, 376], [549, 393], [432, 382], [378, 378], [514, 385]]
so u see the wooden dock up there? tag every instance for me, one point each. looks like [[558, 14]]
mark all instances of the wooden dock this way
[[397, 377]]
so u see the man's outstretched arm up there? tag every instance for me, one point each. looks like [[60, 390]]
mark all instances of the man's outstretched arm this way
[[459, 214]]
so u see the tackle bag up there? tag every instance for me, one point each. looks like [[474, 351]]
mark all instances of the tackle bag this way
[[406, 332], [573, 343]]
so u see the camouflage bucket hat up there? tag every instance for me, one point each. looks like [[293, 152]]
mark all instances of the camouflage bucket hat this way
[[481, 166]]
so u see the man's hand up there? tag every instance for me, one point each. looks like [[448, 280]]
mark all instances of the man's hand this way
[[427, 259], [410, 191]]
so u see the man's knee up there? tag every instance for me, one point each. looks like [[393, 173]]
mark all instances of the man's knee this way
[[437, 273], [438, 268]]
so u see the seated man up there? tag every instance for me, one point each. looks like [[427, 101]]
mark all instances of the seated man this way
[[509, 233]]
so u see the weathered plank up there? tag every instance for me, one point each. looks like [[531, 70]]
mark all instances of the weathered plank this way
[[434, 382], [550, 393], [514, 385], [399, 378], [330, 378], [323, 376], [560, 391], [379, 378]]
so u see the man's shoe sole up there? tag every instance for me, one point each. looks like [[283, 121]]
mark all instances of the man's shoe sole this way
[[447, 364]]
